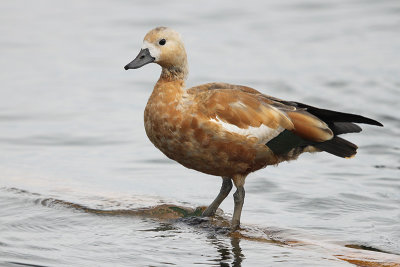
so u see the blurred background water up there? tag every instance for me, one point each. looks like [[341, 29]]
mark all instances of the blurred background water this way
[[73, 144]]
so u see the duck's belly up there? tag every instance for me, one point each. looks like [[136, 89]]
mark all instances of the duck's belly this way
[[208, 150]]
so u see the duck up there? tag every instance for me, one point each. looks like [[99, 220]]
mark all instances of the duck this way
[[229, 130]]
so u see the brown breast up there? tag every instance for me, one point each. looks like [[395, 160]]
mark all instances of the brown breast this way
[[176, 126]]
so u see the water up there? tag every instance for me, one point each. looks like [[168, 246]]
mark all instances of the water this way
[[81, 185]]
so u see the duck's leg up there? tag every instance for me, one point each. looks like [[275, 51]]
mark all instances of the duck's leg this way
[[223, 193], [238, 198]]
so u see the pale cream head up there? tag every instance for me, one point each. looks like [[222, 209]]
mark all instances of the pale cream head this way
[[163, 46], [166, 46]]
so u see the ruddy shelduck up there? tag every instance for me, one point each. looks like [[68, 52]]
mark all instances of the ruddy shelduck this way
[[231, 130]]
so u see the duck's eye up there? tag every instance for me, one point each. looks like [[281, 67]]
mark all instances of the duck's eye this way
[[162, 42]]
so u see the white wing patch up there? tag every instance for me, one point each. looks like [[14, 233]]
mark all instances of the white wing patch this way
[[262, 133]]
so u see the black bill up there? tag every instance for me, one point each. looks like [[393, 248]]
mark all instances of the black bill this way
[[141, 59]]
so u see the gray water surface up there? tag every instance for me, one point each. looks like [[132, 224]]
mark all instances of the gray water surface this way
[[81, 185]]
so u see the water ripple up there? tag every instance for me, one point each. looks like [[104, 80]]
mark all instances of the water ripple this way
[[173, 220]]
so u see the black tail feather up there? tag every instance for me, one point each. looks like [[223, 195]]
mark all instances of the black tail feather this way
[[338, 147], [338, 122], [336, 116], [344, 127]]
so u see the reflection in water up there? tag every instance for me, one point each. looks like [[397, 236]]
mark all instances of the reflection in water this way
[[230, 255], [237, 251], [223, 251]]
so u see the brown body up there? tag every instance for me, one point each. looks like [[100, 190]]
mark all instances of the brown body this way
[[177, 121], [231, 130], [176, 124]]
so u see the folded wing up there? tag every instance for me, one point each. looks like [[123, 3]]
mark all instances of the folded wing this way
[[246, 111], [281, 125]]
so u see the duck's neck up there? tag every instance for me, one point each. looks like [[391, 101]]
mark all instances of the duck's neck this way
[[171, 84], [174, 73]]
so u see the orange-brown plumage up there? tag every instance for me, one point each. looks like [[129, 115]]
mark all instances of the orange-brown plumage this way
[[231, 130], [185, 133]]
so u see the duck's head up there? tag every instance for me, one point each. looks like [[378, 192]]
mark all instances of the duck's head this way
[[163, 46]]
